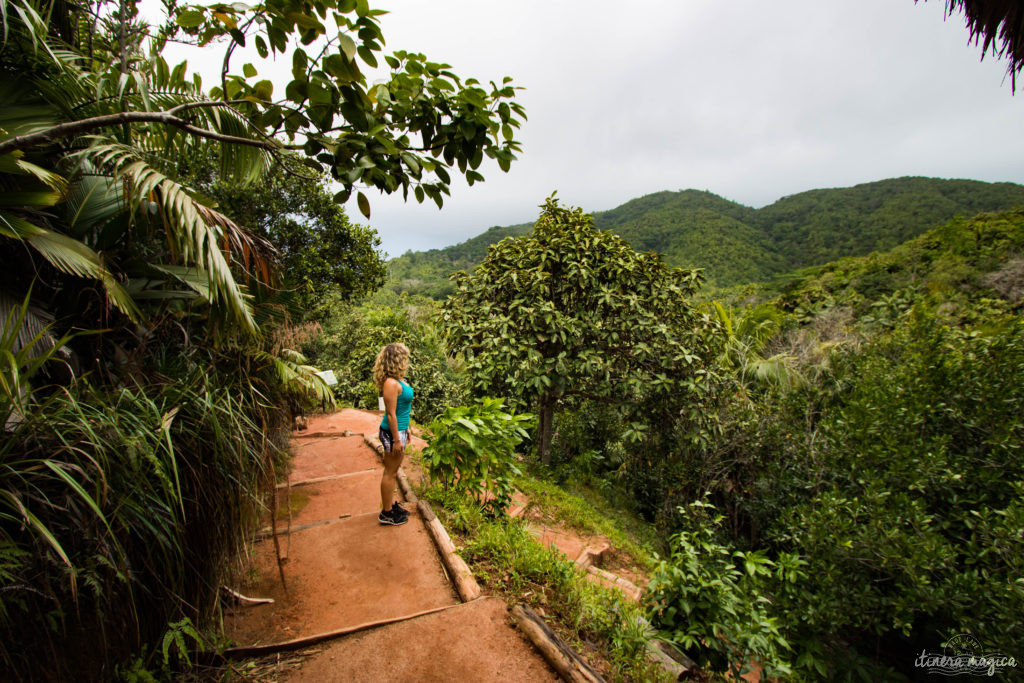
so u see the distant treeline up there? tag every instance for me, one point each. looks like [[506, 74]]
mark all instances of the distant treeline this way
[[738, 244]]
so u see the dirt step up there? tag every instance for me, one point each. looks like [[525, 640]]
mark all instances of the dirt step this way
[[342, 574]]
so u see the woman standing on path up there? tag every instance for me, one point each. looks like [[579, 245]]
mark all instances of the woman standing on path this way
[[388, 374]]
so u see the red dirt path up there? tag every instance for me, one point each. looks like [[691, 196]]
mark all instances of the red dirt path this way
[[349, 570]]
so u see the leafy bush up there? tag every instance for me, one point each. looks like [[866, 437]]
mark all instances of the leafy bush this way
[[896, 475], [909, 506], [472, 451], [711, 601]]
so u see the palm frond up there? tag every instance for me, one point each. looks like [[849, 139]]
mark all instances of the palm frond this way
[[69, 256], [27, 330], [92, 202], [998, 25], [194, 231], [775, 371], [295, 376]]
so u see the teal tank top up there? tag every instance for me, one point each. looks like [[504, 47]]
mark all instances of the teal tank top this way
[[403, 408]]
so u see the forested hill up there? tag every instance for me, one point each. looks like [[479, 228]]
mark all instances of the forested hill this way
[[738, 244]]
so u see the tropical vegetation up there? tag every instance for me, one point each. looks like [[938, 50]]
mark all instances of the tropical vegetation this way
[[826, 442], [735, 244], [153, 286]]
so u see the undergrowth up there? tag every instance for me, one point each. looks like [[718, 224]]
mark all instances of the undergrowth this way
[[510, 562], [587, 511]]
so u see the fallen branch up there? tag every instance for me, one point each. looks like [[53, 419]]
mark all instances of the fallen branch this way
[[299, 643], [267, 532], [242, 598]]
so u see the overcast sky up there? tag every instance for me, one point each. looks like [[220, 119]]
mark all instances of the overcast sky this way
[[749, 99]]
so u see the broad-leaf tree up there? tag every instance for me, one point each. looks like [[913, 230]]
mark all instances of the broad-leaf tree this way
[[320, 250], [94, 103], [568, 313]]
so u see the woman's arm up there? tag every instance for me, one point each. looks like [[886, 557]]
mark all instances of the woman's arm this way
[[391, 389]]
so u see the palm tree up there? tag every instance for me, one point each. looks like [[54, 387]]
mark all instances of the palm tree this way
[[998, 25], [106, 205], [747, 334]]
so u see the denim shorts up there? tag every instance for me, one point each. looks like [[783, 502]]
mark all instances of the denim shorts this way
[[387, 441]]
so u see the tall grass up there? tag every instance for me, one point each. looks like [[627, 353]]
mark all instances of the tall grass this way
[[122, 506]]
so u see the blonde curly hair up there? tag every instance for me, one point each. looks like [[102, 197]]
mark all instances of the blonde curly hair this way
[[392, 361]]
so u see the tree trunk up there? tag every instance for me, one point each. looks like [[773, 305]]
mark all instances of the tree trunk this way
[[545, 424]]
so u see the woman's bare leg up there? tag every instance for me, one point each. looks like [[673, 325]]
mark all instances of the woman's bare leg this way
[[389, 479]]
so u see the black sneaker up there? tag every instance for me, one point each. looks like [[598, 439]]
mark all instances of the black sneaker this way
[[398, 509], [389, 518]]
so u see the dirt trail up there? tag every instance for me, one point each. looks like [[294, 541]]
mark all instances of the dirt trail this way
[[343, 569]]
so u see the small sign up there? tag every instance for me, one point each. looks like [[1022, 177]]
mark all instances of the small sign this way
[[328, 377]]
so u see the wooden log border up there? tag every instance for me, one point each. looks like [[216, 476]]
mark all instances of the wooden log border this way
[[569, 665], [465, 585]]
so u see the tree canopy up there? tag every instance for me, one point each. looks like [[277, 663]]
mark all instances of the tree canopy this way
[[93, 112], [736, 244], [569, 312], [319, 250]]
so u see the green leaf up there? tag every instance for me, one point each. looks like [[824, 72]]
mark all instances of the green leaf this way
[[305, 21], [249, 70], [264, 90], [190, 18], [364, 204], [348, 46], [367, 56]]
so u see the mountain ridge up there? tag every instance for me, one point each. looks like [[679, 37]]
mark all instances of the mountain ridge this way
[[735, 243]]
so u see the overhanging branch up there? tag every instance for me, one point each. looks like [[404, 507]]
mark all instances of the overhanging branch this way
[[73, 128]]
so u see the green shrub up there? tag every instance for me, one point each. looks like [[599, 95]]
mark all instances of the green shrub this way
[[712, 601], [909, 506], [472, 451]]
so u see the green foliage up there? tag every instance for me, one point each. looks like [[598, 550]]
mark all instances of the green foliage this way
[[891, 469], [132, 470], [506, 557], [472, 451], [735, 244], [318, 249], [127, 504], [353, 335], [969, 268], [912, 503], [709, 600], [569, 312], [590, 513], [426, 273], [823, 225], [404, 132]]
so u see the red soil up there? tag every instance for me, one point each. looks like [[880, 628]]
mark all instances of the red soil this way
[[347, 569]]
